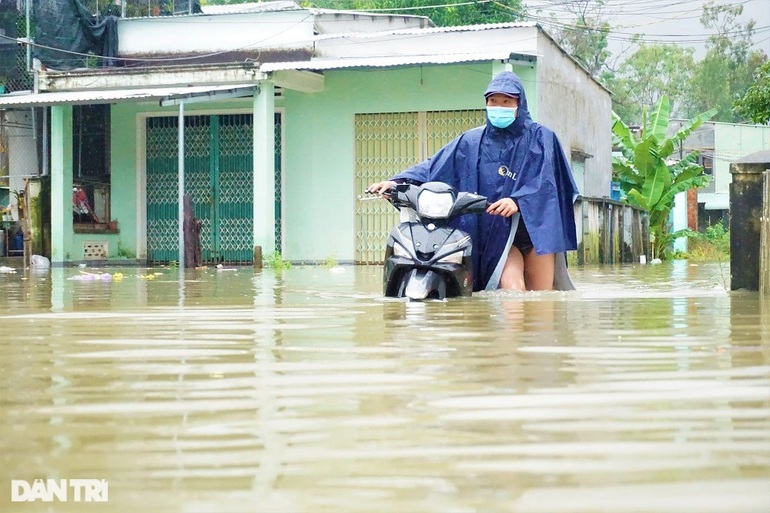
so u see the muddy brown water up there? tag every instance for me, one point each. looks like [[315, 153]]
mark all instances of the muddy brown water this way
[[647, 390]]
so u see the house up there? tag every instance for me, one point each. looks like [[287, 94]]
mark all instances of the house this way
[[287, 114], [719, 145]]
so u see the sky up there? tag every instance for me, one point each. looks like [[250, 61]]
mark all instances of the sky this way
[[664, 21]]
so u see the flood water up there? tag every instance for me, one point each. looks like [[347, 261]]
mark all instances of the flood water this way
[[645, 391]]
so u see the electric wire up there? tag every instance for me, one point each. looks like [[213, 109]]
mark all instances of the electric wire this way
[[613, 33]]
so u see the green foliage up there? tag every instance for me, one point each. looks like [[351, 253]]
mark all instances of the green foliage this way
[[653, 71], [124, 252], [276, 261], [585, 38], [755, 104], [330, 262], [719, 237], [713, 245], [646, 179], [727, 71]]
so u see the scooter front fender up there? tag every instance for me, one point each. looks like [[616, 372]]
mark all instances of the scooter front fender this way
[[420, 284]]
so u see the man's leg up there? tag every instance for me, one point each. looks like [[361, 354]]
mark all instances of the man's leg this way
[[538, 270], [512, 277]]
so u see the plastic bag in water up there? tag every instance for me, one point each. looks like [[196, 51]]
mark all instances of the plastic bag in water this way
[[40, 261]]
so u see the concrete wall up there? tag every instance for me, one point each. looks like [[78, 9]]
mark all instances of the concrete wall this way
[[579, 110], [733, 142], [727, 142], [216, 33], [319, 142], [319, 195], [319, 148], [22, 152]]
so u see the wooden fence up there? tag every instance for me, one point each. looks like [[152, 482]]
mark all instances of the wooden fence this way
[[610, 232]]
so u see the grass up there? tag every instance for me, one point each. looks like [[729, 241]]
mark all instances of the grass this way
[[712, 245], [276, 261]]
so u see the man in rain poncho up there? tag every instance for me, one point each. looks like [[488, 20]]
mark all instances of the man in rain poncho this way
[[520, 167]]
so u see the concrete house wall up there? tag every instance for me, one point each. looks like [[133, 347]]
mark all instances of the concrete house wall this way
[[319, 104], [188, 34], [318, 149], [579, 110], [320, 144], [724, 143]]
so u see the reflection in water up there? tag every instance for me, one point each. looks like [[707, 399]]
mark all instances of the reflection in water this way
[[647, 390]]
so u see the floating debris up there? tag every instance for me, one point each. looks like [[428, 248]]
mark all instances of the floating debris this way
[[84, 276]]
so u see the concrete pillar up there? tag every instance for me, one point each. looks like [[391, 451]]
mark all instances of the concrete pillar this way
[[61, 184], [692, 209], [264, 168], [746, 207]]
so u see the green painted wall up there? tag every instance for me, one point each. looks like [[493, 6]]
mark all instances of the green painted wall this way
[[319, 148], [319, 195], [122, 185]]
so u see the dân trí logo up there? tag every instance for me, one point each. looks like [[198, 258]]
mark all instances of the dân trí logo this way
[[61, 490]]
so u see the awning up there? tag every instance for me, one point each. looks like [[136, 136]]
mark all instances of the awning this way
[[161, 94]]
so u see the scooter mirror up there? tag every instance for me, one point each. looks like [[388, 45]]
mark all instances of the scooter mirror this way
[[469, 203]]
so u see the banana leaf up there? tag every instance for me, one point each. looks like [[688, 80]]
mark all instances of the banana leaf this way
[[682, 186], [622, 132], [667, 147], [658, 122], [655, 184]]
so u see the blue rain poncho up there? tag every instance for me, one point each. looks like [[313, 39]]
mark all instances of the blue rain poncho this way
[[523, 161]]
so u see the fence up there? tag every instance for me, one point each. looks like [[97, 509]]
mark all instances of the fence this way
[[610, 232], [13, 56], [141, 8]]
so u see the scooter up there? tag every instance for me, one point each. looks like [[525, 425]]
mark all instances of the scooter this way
[[426, 258]]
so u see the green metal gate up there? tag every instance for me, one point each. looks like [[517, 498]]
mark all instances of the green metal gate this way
[[219, 179]]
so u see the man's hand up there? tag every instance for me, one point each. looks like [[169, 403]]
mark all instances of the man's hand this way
[[380, 187], [505, 207]]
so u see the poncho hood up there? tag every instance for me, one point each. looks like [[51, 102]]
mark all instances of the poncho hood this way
[[507, 82]]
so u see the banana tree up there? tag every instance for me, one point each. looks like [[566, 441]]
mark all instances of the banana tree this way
[[649, 178]]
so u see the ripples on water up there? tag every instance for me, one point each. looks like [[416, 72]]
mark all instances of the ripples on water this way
[[647, 390]]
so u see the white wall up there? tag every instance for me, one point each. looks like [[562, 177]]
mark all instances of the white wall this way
[[22, 151], [430, 42], [579, 110], [227, 32]]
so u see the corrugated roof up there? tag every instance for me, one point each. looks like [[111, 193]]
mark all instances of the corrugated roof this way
[[115, 95], [429, 30], [386, 62], [252, 7]]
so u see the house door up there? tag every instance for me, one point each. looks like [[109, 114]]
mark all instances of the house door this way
[[386, 144], [219, 179]]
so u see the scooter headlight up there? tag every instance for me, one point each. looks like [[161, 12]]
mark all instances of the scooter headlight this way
[[454, 258], [435, 204], [400, 251]]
